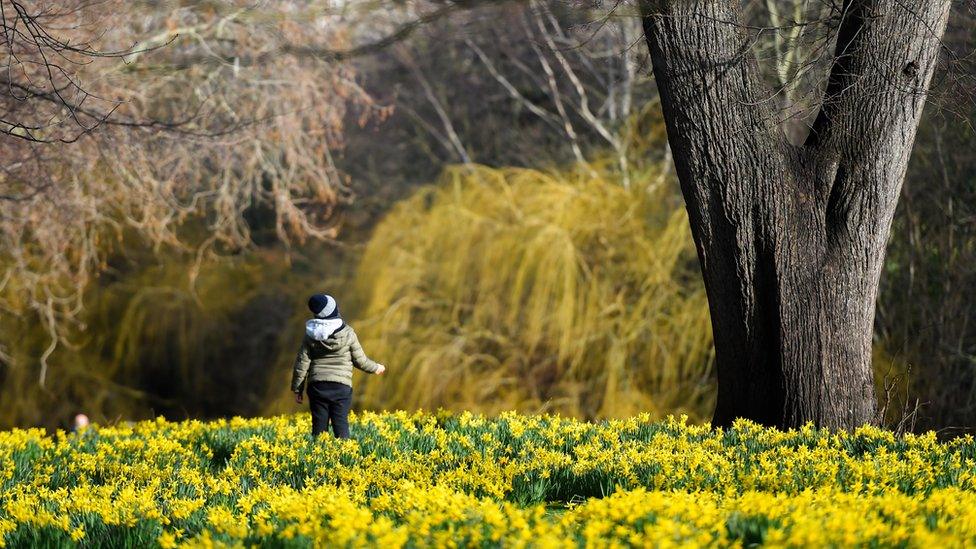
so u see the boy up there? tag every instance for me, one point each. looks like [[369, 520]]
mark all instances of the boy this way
[[329, 351]]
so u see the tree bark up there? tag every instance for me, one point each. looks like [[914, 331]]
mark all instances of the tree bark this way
[[791, 238]]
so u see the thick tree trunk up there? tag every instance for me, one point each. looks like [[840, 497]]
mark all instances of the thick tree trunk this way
[[791, 238]]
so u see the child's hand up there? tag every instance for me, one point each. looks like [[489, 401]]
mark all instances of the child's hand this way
[[298, 397], [380, 370]]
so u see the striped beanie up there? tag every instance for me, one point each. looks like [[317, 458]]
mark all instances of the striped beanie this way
[[323, 306]]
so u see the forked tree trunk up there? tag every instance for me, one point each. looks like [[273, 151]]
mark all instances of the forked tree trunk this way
[[791, 238]]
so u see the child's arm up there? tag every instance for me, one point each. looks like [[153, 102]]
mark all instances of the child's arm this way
[[301, 369], [360, 360]]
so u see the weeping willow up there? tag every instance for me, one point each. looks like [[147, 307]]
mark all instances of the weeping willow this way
[[151, 341], [542, 291]]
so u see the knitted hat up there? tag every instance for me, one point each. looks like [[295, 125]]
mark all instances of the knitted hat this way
[[323, 306]]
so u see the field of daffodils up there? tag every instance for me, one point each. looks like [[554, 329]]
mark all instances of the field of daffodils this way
[[462, 480]]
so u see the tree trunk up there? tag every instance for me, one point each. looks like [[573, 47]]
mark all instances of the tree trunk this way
[[791, 238]]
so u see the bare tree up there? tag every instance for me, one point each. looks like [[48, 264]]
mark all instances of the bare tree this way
[[925, 311], [42, 98], [130, 118], [791, 237], [572, 75]]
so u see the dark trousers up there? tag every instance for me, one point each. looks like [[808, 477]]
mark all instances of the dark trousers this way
[[330, 402]]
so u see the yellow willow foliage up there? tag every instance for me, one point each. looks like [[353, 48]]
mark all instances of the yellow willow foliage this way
[[539, 291], [151, 342]]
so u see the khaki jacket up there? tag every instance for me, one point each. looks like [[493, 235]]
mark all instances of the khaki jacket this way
[[331, 359]]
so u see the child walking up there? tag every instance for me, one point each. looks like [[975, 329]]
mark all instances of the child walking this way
[[324, 364]]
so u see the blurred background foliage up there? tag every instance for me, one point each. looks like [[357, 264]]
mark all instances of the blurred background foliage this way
[[516, 288], [506, 234]]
